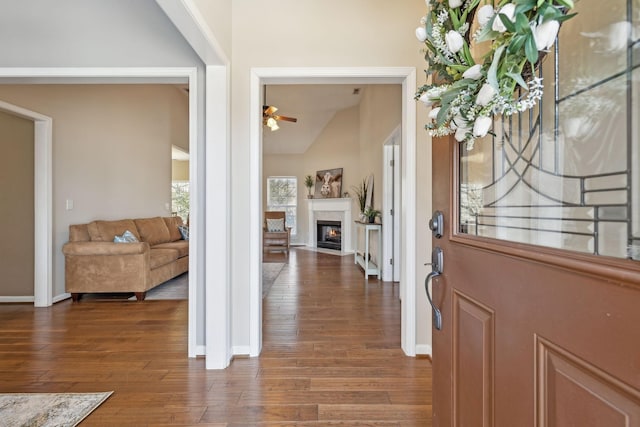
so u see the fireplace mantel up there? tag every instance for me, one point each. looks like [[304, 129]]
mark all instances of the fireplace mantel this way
[[338, 209]]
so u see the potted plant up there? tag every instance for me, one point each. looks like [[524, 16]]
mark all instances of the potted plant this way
[[361, 194], [308, 182], [371, 214]]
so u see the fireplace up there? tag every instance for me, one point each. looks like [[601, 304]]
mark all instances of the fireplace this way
[[329, 234]]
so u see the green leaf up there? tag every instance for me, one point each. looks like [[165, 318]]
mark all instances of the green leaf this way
[[454, 19], [467, 54], [551, 13], [492, 73], [443, 114], [566, 17], [518, 79], [525, 2], [522, 23], [487, 33], [524, 8], [567, 3], [530, 50], [540, 3], [507, 22], [469, 8], [517, 43]]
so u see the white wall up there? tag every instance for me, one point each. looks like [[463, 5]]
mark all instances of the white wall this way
[[111, 151], [89, 33], [332, 33]]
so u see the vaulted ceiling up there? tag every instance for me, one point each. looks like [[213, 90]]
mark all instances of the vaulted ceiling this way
[[313, 105]]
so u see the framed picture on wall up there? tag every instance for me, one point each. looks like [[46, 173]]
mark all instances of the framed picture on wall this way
[[328, 183]]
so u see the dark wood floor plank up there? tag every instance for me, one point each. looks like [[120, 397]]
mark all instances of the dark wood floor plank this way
[[331, 356]]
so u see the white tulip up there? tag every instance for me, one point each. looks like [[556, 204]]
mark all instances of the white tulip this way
[[455, 3], [509, 10], [481, 126], [545, 34], [421, 34], [485, 95], [426, 99], [433, 114], [454, 41], [461, 134], [457, 122], [484, 14], [473, 72]]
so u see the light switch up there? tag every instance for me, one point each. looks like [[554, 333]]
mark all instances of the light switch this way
[[167, 206], [69, 204]]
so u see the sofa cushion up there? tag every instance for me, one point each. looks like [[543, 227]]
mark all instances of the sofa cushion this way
[[79, 233], [160, 257], [172, 223], [105, 231], [153, 230], [182, 246]]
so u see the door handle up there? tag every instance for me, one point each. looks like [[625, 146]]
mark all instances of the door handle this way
[[437, 261]]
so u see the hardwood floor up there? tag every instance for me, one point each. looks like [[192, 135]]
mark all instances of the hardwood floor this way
[[330, 357]]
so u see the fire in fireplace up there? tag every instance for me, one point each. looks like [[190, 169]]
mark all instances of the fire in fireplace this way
[[329, 234]]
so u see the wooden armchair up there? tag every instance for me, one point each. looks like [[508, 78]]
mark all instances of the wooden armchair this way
[[277, 239]]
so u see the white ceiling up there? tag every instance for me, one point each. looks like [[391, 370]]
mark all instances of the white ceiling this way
[[313, 105]]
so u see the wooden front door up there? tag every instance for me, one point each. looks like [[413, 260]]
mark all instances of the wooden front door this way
[[540, 286]]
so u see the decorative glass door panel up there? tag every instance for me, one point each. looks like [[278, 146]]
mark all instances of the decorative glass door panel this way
[[566, 174]]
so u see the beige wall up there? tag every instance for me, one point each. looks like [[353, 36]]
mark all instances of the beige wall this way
[[331, 33], [111, 151], [180, 170], [218, 16], [16, 205]]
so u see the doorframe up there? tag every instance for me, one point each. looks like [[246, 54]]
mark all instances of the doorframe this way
[[42, 195], [391, 200], [122, 75], [406, 76]]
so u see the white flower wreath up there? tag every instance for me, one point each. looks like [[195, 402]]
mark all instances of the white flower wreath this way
[[466, 93]]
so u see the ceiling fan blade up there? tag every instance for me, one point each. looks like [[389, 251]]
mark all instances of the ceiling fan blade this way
[[286, 119], [268, 110]]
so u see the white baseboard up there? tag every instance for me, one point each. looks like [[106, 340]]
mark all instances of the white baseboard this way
[[424, 349], [17, 299], [61, 297], [241, 350], [201, 350]]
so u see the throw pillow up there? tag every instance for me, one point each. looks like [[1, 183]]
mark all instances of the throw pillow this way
[[127, 237], [275, 225], [184, 232]]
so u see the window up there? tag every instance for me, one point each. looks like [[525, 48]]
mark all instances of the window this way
[[282, 195], [180, 199]]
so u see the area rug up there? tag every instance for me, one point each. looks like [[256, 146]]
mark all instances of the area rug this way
[[48, 409], [174, 289], [270, 272]]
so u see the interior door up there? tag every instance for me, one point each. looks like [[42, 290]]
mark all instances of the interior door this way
[[540, 286]]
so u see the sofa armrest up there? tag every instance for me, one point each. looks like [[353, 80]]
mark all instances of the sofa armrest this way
[[104, 248]]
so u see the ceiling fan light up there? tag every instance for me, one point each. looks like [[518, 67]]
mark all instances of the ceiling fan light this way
[[275, 126], [271, 122]]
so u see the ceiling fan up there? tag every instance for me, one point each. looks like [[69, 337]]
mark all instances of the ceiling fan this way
[[269, 116]]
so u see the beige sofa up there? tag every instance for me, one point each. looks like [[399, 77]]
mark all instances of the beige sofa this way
[[95, 264]]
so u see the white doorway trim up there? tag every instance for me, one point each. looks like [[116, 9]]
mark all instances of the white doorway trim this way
[[42, 257], [391, 168], [160, 75], [362, 75]]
